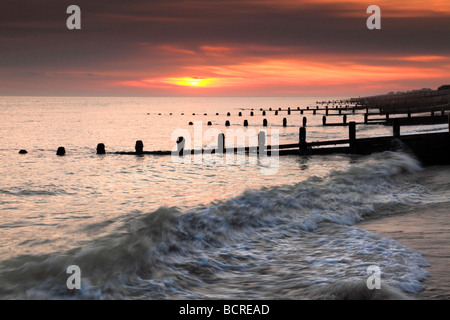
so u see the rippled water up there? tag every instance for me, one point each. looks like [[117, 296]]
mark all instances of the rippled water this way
[[148, 227]]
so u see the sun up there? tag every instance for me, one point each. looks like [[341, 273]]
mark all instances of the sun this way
[[193, 81]]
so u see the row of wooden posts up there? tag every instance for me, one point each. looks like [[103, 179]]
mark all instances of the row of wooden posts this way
[[304, 122], [302, 144]]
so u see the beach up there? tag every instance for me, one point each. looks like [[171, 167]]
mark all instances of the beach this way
[[425, 228]]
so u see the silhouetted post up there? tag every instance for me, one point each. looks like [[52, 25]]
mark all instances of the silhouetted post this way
[[284, 122], [432, 113], [449, 122], [409, 114], [228, 114], [61, 151], [227, 123], [289, 111], [353, 110], [265, 123], [304, 121], [344, 119], [23, 151], [324, 120], [301, 111], [221, 143], [245, 123], [352, 136], [340, 111], [251, 114], [270, 109], [387, 116], [264, 113], [261, 143], [276, 112], [396, 128], [302, 141], [191, 123], [366, 118], [443, 112], [209, 123], [139, 147], [101, 148], [314, 112], [180, 146], [240, 114]]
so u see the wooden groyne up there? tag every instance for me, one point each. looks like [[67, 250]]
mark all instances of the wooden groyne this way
[[430, 148]]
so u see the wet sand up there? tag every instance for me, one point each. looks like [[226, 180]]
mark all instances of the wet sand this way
[[427, 229]]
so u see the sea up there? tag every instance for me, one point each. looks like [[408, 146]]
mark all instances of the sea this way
[[163, 227]]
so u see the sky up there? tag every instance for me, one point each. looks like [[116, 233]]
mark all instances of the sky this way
[[222, 48]]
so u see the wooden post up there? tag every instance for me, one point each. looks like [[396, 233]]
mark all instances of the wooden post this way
[[221, 143], [340, 111], [240, 114], [209, 123], [245, 123], [191, 123], [251, 114], [449, 122], [265, 123], [227, 123], [443, 112], [276, 112], [352, 136], [139, 147], [284, 122], [101, 148], [396, 128], [302, 147], [314, 111], [387, 116], [344, 119], [61, 151], [261, 143], [289, 111], [23, 151], [366, 117], [264, 113], [304, 121], [180, 146], [228, 114], [301, 111]]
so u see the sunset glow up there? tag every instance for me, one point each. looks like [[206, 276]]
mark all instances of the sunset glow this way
[[287, 47]]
